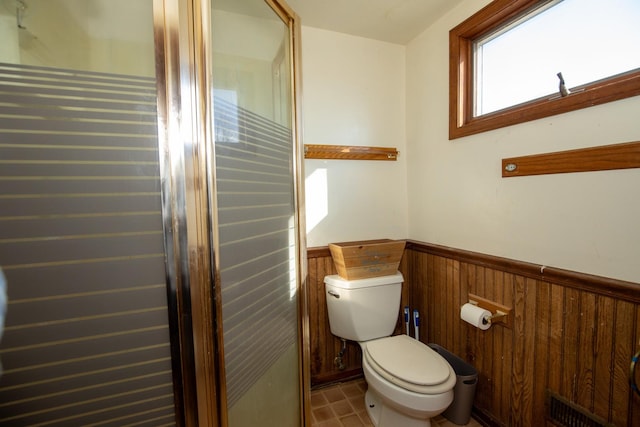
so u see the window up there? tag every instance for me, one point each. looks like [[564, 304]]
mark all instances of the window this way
[[507, 60]]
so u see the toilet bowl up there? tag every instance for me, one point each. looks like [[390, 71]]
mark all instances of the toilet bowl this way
[[408, 382]]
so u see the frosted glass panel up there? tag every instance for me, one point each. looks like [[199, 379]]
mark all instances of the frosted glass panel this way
[[254, 178], [86, 338]]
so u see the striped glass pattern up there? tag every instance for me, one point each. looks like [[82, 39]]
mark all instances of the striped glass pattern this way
[[257, 243], [81, 244]]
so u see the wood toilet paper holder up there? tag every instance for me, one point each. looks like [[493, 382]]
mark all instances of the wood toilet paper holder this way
[[500, 314]]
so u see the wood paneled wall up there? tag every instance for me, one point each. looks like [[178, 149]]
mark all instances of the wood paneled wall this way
[[571, 333]]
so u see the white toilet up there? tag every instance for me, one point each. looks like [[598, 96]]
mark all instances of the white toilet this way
[[409, 383]]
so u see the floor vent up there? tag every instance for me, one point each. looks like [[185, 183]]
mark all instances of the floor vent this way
[[566, 414]]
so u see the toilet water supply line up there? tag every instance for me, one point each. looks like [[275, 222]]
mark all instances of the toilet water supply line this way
[[338, 360]]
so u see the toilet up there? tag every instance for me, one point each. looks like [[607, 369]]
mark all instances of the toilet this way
[[408, 382]]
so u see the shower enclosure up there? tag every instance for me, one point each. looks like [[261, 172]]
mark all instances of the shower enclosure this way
[[149, 227]]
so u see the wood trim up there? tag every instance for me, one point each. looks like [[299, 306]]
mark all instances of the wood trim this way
[[342, 376], [349, 152], [484, 417], [620, 289], [318, 252], [608, 157], [461, 120]]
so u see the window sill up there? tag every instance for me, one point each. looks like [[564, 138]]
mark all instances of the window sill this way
[[613, 89]]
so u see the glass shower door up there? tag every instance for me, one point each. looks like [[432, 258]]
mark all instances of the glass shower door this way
[[256, 211], [87, 338]]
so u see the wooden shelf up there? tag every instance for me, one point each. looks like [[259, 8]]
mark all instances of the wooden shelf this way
[[349, 152], [606, 157]]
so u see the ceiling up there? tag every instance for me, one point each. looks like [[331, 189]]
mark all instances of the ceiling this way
[[394, 21]]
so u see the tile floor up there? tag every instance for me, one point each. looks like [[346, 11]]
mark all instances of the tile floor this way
[[342, 405]]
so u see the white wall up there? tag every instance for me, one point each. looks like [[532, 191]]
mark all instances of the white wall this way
[[586, 222], [354, 94]]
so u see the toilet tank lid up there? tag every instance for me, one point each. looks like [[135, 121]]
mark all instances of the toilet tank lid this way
[[339, 282]]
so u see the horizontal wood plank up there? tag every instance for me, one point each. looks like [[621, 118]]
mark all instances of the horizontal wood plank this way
[[607, 157], [349, 152]]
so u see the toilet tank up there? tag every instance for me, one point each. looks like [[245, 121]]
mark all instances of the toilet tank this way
[[365, 309]]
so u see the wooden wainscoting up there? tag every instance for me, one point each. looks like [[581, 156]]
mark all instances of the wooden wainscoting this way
[[572, 333]]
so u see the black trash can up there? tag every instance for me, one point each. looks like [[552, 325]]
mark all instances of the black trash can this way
[[459, 412]]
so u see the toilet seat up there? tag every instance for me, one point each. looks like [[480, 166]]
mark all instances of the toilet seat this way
[[409, 364]]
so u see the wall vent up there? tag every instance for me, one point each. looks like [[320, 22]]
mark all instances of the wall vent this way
[[567, 414]]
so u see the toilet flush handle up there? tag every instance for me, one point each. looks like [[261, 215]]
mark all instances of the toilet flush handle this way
[[334, 294]]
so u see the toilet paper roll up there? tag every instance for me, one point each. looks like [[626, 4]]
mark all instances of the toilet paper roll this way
[[475, 316]]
